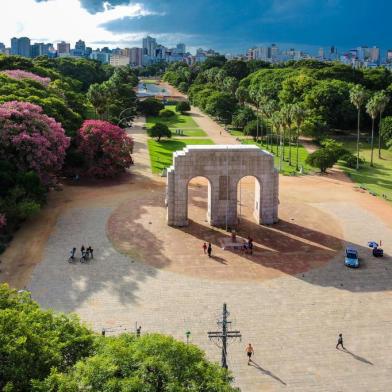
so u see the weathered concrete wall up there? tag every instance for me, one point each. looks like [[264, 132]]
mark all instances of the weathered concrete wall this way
[[223, 166]]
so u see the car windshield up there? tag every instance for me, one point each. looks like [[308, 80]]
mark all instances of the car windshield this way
[[351, 255]]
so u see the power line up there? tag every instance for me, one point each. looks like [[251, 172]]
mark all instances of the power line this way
[[224, 335]]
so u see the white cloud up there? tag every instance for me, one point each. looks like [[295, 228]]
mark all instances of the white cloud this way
[[57, 20]]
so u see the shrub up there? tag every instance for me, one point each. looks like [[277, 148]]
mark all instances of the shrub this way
[[251, 128], [351, 160], [166, 113], [183, 106], [242, 117], [159, 130], [323, 159], [106, 148], [30, 140]]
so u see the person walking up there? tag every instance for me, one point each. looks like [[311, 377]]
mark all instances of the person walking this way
[[205, 248], [90, 250], [72, 254], [82, 249], [209, 249], [340, 342], [138, 331], [249, 352]]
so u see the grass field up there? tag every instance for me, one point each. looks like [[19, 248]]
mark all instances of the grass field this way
[[178, 121], [161, 153], [377, 179], [286, 169]]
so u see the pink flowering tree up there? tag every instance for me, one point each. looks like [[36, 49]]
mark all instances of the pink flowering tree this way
[[31, 140], [20, 74], [105, 147]]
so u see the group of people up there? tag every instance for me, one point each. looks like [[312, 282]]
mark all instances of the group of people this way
[[86, 253]]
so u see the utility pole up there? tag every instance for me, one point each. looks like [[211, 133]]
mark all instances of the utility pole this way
[[224, 335]]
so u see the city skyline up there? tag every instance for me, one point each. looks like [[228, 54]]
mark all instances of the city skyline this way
[[224, 26]]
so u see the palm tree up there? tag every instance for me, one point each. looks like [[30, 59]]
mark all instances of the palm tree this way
[[267, 110], [372, 110], [299, 114], [358, 97], [275, 125], [382, 100], [288, 120]]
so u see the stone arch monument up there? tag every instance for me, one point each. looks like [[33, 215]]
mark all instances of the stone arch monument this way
[[223, 166]]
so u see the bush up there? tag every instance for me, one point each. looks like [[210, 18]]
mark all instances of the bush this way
[[351, 160], [150, 107], [251, 128], [323, 159], [242, 117], [106, 148], [183, 106], [166, 113]]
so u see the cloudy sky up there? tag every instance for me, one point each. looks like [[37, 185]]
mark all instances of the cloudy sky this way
[[225, 25]]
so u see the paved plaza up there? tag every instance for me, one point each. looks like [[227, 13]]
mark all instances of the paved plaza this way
[[290, 299]]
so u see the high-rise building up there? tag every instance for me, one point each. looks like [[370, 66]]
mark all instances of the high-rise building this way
[[375, 55], [100, 56], [41, 49], [2, 48], [321, 53], [63, 47], [389, 56], [136, 57], [180, 49], [149, 46], [119, 60], [21, 46], [80, 48]]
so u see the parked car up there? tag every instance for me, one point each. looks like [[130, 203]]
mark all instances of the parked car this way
[[351, 258]]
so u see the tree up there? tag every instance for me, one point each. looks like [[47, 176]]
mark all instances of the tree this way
[[298, 114], [358, 97], [150, 363], [242, 117], [33, 341], [230, 85], [106, 148], [287, 119], [150, 107], [222, 106], [242, 94], [166, 113], [159, 130], [31, 140], [237, 69], [183, 106], [386, 130], [372, 109], [382, 100]]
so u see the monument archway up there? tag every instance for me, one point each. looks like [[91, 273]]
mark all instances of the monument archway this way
[[223, 166]]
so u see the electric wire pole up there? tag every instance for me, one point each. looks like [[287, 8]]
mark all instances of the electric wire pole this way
[[224, 335]]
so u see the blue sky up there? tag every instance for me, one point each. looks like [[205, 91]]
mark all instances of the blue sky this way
[[225, 25]]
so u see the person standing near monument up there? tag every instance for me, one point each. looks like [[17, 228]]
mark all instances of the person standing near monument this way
[[205, 248], [209, 249]]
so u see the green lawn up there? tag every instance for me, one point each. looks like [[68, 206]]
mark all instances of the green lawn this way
[[286, 169], [148, 81], [377, 179], [178, 121], [161, 153]]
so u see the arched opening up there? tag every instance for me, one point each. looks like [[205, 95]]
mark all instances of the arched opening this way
[[248, 200], [199, 200]]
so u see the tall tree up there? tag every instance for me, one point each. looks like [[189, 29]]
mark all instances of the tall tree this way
[[372, 110], [358, 97], [286, 116], [382, 100], [299, 114]]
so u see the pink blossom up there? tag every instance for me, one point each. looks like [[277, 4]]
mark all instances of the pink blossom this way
[[30, 139], [21, 74], [106, 147]]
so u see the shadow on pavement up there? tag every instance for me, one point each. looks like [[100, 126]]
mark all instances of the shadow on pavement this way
[[357, 357], [266, 372]]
